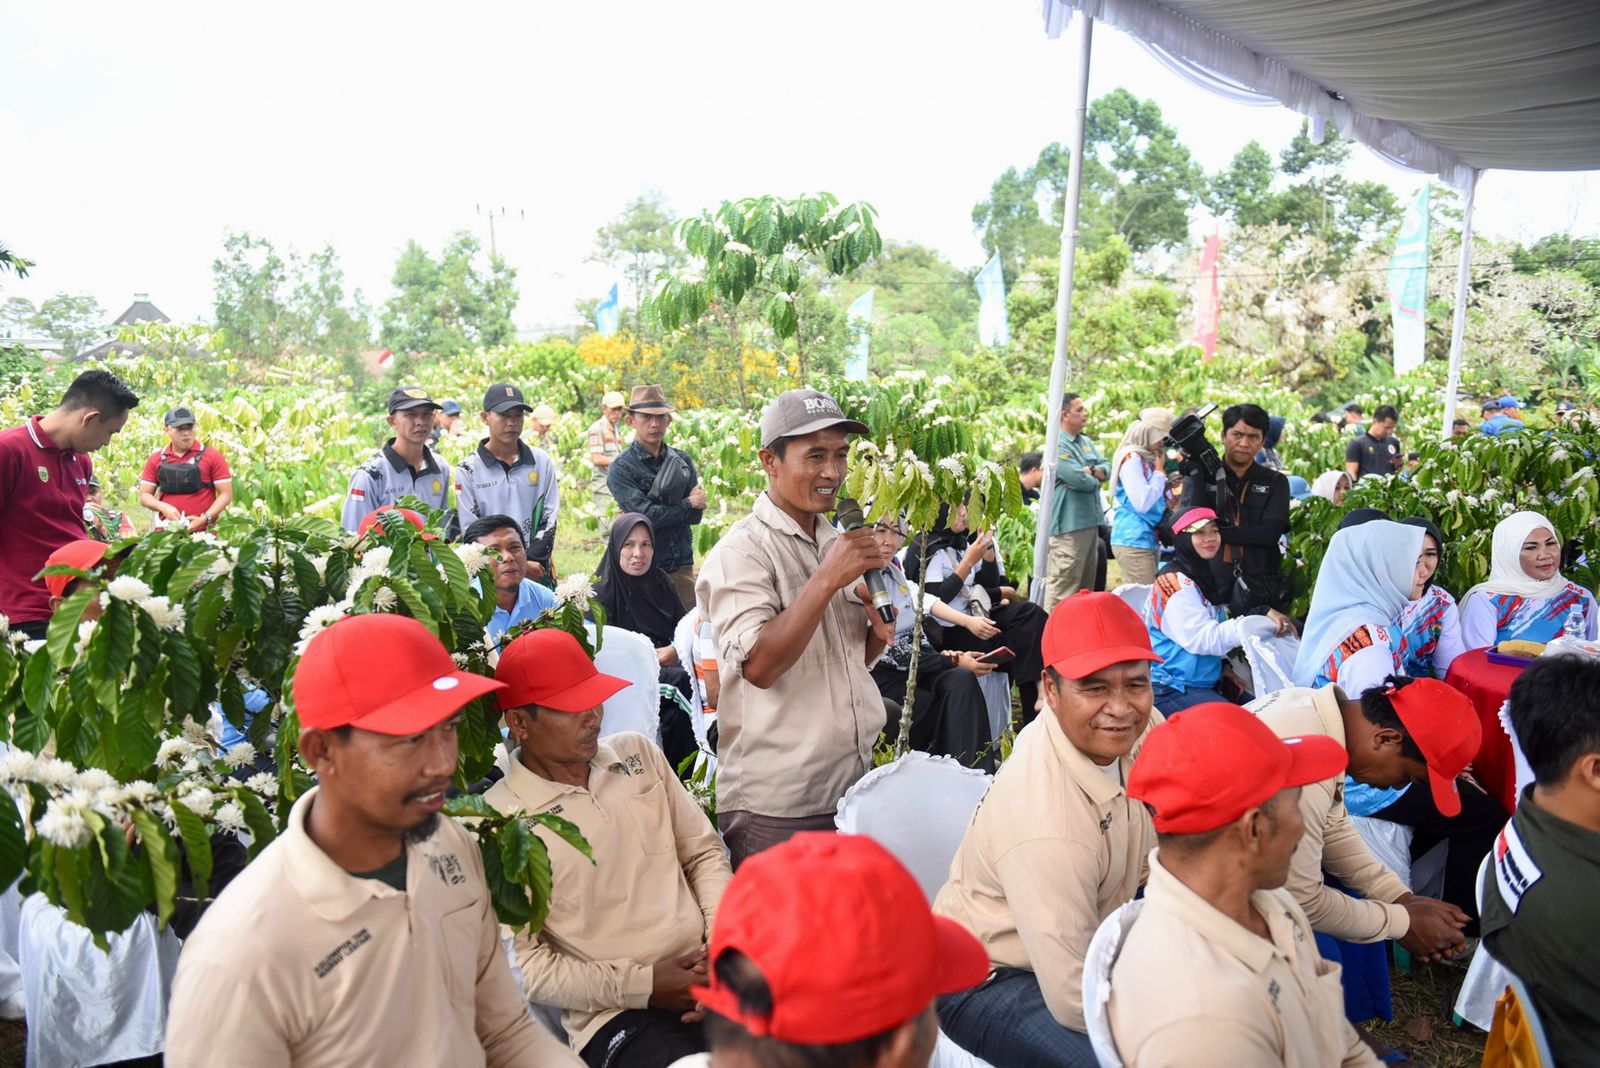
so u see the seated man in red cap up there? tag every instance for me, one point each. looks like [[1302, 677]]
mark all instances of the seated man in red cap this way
[[626, 935], [364, 934], [1412, 731], [825, 953], [1056, 845], [1220, 967], [85, 555]]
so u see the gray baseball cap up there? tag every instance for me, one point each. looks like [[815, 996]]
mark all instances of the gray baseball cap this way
[[179, 417], [799, 412]]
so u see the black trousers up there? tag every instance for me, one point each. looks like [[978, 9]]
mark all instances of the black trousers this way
[[1021, 626], [949, 716], [644, 1038], [1471, 835], [677, 733]]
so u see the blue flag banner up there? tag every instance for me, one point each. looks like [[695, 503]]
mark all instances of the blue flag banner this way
[[859, 317], [994, 329], [1408, 285], [607, 314]]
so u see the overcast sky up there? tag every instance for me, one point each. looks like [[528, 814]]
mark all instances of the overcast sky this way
[[134, 135]]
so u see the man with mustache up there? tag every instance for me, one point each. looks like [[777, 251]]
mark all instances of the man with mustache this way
[[626, 935], [1056, 845], [364, 934]]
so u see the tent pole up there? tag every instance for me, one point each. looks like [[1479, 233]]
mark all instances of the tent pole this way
[[1069, 248], [1458, 326]]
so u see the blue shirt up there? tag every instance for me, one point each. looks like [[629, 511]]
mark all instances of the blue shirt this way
[[1500, 424], [254, 701], [532, 601], [1134, 528]]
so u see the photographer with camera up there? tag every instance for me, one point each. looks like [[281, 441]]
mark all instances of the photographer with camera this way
[[1252, 502]]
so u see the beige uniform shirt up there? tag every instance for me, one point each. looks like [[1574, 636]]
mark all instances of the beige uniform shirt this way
[[792, 749], [1053, 849], [659, 870], [1331, 843], [603, 438], [300, 963], [1193, 989]]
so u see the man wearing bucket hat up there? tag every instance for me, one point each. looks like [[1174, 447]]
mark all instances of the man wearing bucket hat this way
[[364, 934], [1410, 731], [605, 445], [660, 483], [1056, 845], [825, 952], [799, 712], [505, 476], [627, 932], [1220, 967], [405, 466]]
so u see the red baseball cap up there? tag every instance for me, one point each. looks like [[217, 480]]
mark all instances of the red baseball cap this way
[[1193, 517], [549, 668], [843, 936], [371, 520], [418, 686], [1443, 723], [1207, 767], [82, 554], [1090, 631]]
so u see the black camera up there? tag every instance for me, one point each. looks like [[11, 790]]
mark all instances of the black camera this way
[[1199, 455]]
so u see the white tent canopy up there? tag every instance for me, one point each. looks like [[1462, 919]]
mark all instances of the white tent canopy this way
[[1447, 87]]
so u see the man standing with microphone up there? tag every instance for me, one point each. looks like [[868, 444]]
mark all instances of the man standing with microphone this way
[[796, 634]]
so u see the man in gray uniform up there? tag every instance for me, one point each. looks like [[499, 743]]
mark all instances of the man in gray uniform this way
[[504, 476], [405, 466]]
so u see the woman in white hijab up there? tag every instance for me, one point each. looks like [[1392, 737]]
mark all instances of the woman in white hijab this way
[[1331, 486], [1525, 595], [1367, 577], [1139, 490]]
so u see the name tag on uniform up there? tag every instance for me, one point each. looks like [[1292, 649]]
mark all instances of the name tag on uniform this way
[[1514, 869], [1257, 487]]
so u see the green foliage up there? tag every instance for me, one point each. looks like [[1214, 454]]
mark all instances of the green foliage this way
[[449, 305], [640, 244], [516, 858], [18, 363], [74, 319], [13, 263]]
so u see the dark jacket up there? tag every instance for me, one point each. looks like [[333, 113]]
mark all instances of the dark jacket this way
[[1254, 514], [630, 477]]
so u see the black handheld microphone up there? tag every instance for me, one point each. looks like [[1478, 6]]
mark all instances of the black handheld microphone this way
[[849, 516]]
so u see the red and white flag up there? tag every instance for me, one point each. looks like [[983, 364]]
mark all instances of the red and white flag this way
[[385, 358], [1208, 300]]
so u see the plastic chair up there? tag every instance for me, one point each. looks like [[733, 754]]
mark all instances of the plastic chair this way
[[1102, 954], [1136, 594], [917, 808], [630, 656]]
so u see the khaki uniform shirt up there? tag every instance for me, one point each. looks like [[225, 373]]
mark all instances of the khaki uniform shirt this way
[[1193, 989], [300, 963], [603, 438], [659, 870], [1331, 843], [793, 749], [1054, 848]]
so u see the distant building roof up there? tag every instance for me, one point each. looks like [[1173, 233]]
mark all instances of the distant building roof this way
[[141, 311]]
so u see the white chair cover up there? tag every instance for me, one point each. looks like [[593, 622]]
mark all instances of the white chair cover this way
[[13, 1004], [683, 640], [1519, 760], [917, 808], [1137, 594], [1271, 662], [86, 1006], [1102, 954], [638, 708], [1486, 978], [1389, 842]]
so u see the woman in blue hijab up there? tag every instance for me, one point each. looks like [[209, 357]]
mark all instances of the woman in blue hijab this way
[[1368, 576]]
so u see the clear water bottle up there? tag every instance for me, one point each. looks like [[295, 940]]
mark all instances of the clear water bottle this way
[[1573, 628]]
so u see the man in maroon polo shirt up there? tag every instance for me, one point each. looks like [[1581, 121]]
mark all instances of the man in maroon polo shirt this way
[[44, 479]]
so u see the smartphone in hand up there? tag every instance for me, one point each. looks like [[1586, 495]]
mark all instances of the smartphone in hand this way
[[997, 657]]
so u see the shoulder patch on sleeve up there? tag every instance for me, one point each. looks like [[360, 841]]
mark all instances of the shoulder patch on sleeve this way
[[1358, 641], [1514, 869]]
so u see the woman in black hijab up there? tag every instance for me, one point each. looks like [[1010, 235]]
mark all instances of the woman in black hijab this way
[[638, 596]]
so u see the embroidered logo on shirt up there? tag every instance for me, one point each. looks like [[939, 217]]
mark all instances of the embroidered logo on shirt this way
[[1105, 823], [555, 810], [635, 765], [437, 485], [1256, 487], [448, 869], [44, 476], [1514, 870], [1273, 990], [340, 952], [533, 478]]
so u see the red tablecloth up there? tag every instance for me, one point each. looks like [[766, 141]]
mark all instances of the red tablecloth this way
[[1488, 685]]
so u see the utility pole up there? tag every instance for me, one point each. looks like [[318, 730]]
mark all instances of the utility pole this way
[[497, 213]]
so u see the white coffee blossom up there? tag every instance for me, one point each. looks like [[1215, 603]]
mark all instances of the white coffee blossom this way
[[230, 817], [240, 755], [205, 537], [320, 565], [5, 625], [385, 599], [953, 467], [197, 732], [96, 779], [221, 566], [163, 613], [86, 631], [736, 246], [461, 660], [140, 792], [942, 381], [17, 766], [128, 588], [376, 560], [317, 620], [173, 750], [63, 824], [264, 784], [473, 557], [31, 645], [57, 773], [574, 589], [198, 800]]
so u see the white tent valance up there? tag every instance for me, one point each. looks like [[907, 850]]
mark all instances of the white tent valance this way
[[1441, 86]]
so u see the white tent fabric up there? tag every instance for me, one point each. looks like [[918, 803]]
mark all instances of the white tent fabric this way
[[1443, 87]]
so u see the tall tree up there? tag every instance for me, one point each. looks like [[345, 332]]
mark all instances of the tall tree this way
[[16, 316], [1244, 191], [266, 304], [71, 318], [640, 244], [449, 305], [1009, 222]]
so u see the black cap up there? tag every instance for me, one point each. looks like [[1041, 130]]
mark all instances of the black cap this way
[[179, 417], [410, 397], [450, 407], [503, 397]]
